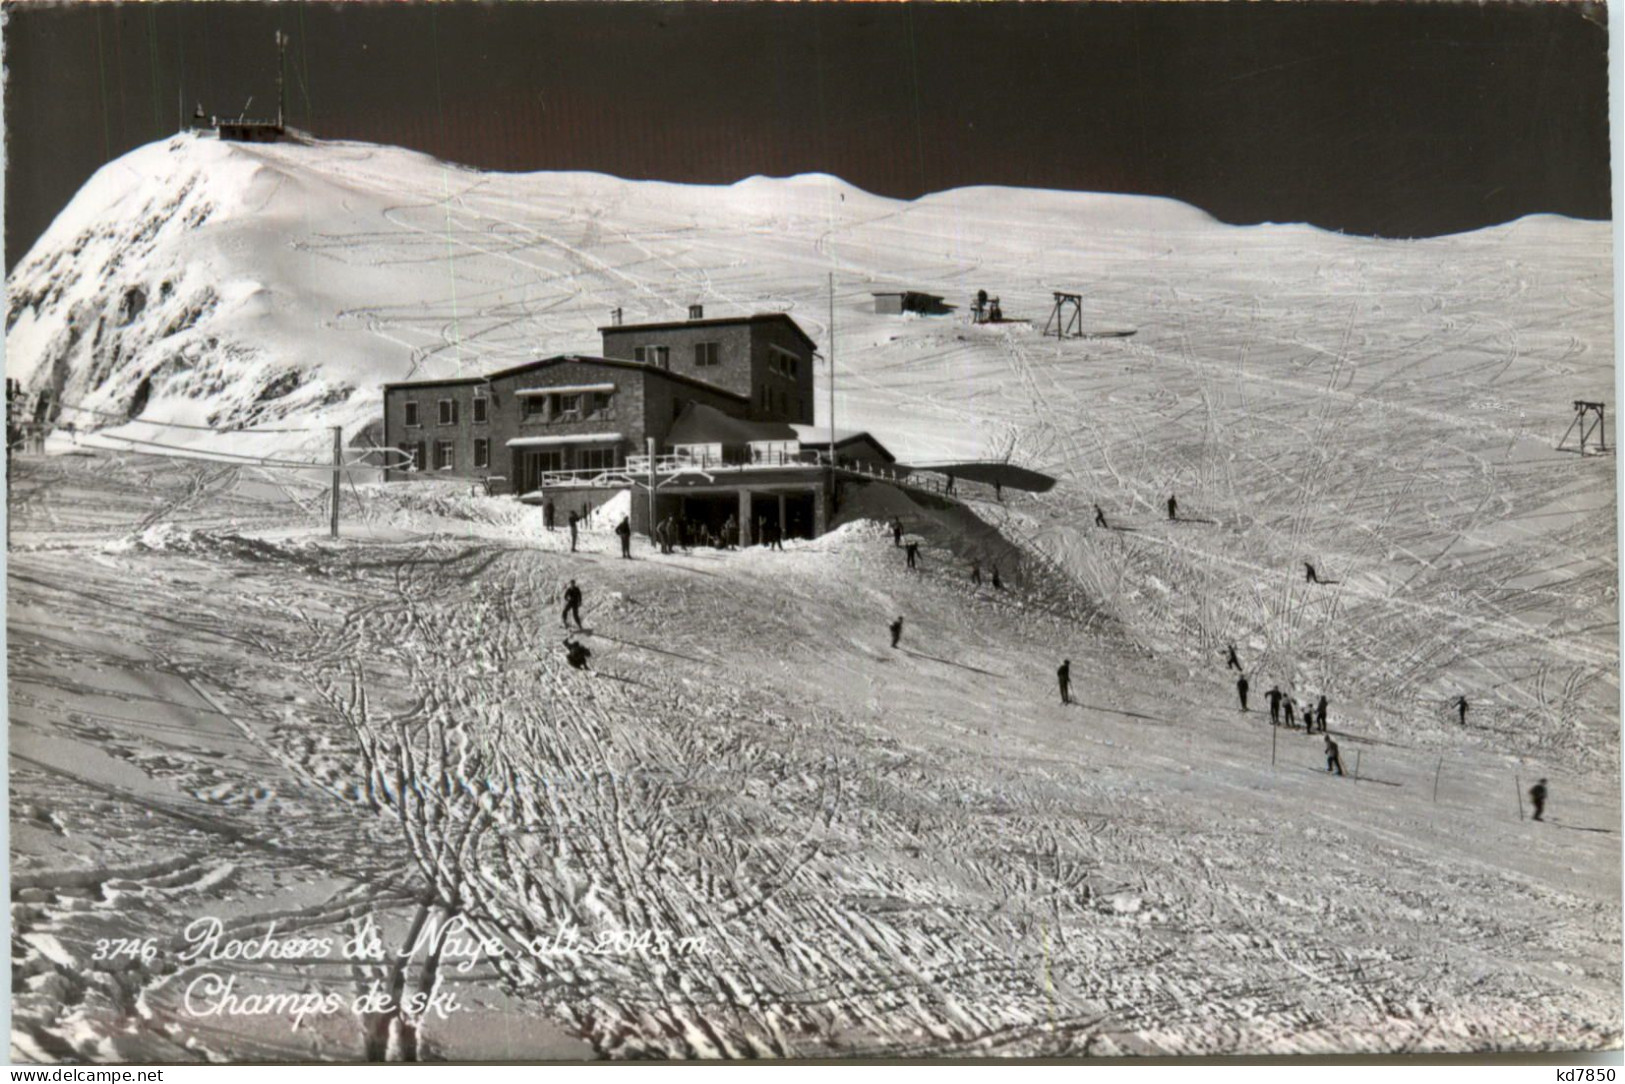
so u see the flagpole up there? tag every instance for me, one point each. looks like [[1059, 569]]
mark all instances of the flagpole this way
[[832, 369]]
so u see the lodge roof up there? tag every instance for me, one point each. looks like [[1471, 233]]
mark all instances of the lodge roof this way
[[701, 424], [543, 363], [717, 321], [814, 436]]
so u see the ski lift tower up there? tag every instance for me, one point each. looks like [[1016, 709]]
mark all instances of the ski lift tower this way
[[1066, 318], [1589, 419]]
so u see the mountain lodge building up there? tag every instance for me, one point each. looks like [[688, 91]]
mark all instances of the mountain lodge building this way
[[708, 399]]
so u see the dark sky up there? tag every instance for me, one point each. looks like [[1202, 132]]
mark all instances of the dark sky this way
[[1398, 119]]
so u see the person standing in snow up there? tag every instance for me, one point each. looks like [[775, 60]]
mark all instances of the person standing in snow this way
[[1100, 517], [1233, 662], [912, 550], [775, 535], [574, 520], [976, 571], [547, 513], [897, 531], [576, 653], [1173, 508], [1241, 690], [998, 491], [1291, 719], [624, 529], [1333, 759], [1274, 697], [572, 604], [1537, 798], [896, 631], [998, 584], [1461, 707], [1064, 676], [730, 533], [1320, 713], [1309, 573], [950, 487]]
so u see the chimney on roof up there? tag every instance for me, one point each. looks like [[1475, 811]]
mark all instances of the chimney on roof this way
[[696, 312], [615, 317]]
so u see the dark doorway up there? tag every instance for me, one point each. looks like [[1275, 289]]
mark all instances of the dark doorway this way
[[529, 465], [708, 515], [798, 513]]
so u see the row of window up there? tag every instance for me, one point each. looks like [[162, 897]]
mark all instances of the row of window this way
[[566, 407], [774, 399], [786, 364], [445, 454], [706, 355], [448, 411], [557, 459]]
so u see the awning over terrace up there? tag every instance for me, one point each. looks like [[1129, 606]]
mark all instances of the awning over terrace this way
[[567, 389], [565, 438]]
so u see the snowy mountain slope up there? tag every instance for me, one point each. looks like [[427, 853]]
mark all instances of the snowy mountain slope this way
[[886, 852], [1386, 410], [911, 853], [239, 285]]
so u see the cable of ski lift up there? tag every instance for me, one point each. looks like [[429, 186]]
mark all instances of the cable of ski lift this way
[[232, 458], [127, 420]]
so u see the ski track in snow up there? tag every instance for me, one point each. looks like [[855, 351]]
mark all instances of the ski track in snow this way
[[955, 866], [902, 853]]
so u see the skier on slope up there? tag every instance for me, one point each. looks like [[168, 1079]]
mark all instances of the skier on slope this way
[[577, 653], [1320, 714], [1241, 690], [1537, 798], [1274, 697], [896, 631], [1100, 517], [1064, 676], [1309, 573], [572, 604], [1233, 662], [1173, 508], [897, 531], [913, 552], [1333, 759], [1461, 707]]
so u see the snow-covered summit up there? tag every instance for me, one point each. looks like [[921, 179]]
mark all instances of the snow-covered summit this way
[[233, 285]]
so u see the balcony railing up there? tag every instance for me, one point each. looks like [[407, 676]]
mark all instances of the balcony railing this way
[[671, 465]]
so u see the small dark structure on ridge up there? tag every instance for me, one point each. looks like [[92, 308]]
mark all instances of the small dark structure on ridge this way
[[1066, 318], [242, 129], [897, 302], [1590, 420]]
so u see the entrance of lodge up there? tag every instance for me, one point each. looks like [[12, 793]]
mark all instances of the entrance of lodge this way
[[798, 514]]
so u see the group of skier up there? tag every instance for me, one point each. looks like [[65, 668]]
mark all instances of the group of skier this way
[[1282, 706], [675, 531], [680, 532], [911, 556]]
